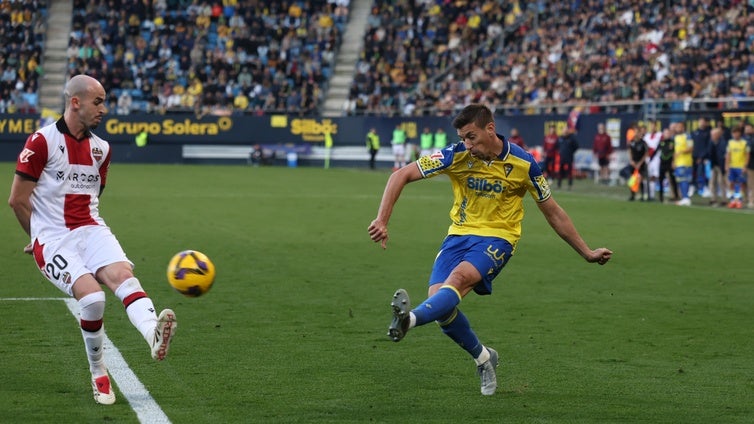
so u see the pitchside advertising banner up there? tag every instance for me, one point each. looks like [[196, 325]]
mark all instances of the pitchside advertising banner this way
[[174, 130]]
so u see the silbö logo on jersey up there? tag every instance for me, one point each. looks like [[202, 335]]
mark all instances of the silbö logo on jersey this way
[[485, 188]]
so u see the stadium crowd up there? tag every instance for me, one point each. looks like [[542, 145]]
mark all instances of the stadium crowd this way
[[435, 56], [22, 29], [419, 56], [208, 56]]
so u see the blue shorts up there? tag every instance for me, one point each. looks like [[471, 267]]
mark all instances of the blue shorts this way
[[683, 173], [737, 175], [487, 254]]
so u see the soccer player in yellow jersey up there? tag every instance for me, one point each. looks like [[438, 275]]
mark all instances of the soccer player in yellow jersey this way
[[736, 160], [490, 178], [683, 161]]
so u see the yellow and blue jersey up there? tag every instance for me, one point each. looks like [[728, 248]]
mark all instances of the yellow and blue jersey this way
[[488, 196], [683, 142], [738, 151]]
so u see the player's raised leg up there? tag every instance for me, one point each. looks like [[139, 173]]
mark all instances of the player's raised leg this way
[[163, 334], [401, 306], [157, 331]]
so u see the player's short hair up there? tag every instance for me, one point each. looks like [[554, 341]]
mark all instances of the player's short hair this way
[[477, 113]]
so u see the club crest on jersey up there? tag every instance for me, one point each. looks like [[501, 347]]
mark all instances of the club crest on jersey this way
[[25, 155], [97, 153], [66, 278], [508, 168]]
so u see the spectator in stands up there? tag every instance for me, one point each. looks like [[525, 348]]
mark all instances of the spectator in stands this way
[[124, 103], [240, 102]]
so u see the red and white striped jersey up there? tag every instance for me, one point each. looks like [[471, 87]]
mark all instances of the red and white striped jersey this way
[[69, 174]]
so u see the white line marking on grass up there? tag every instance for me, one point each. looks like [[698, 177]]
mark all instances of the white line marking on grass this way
[[147, 410], [31, 298]]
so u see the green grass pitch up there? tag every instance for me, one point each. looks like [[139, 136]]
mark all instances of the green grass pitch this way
[[293, 330]]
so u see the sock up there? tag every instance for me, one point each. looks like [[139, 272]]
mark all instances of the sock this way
[[457, 327], [92, 310], [483, 357], [437, 306], [684, 185], [139, 307]]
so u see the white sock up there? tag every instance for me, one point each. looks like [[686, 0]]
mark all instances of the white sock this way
[[140, 311], [92, 310], [483, 357], [411, 320]]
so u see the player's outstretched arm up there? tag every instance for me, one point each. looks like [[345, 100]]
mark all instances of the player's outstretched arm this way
[[562, 224], [378, 228]]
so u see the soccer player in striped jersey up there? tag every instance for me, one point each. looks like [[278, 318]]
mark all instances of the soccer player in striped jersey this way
[[60, 175], [490, 178]]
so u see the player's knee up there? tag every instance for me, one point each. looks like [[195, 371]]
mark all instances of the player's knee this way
[[114, 274], [84, 286]]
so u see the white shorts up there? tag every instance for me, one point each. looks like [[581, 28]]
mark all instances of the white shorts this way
[[82, 251], [399, 150]]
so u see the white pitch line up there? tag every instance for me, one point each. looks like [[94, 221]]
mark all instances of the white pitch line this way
[[147, 410]]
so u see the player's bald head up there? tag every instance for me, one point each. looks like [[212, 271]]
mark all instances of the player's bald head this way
[[80, 85]]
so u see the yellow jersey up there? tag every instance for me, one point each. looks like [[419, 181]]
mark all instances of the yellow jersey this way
[[738, 152], [488, 196], [683, 142]]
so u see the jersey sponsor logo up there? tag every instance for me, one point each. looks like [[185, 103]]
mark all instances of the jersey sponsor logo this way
[[25, 155], [481, 184], [97, 153], [78, 177]]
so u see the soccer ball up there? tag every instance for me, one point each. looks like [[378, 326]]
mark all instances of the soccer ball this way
[[191, 273]]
